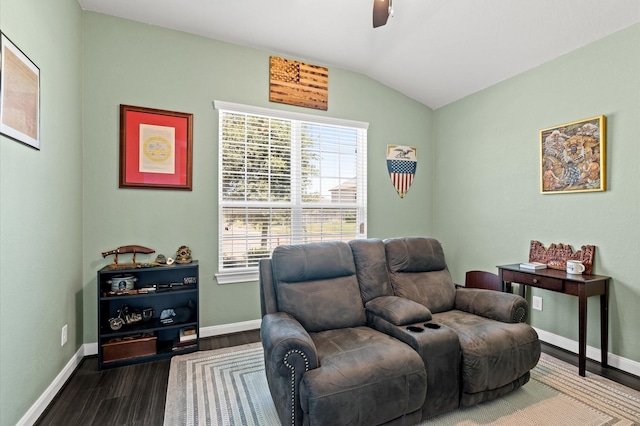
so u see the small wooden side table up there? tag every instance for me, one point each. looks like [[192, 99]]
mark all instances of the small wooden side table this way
[[582, 286]]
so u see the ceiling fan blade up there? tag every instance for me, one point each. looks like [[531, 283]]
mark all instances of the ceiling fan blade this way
[[380, 12]]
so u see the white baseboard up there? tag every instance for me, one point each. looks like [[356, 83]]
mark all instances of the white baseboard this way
[[87, 349], [237, 327], [91, 349], [36, 410], [615, 361]]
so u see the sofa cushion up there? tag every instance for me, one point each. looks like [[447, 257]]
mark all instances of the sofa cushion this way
[[365, 377], [418, 271], [414, 254], [316, 283], [311, 262], [371, 268], [494, 353]]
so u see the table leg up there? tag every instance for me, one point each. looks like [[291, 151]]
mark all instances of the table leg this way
[[582, 331], [604, 326], [505, 286]]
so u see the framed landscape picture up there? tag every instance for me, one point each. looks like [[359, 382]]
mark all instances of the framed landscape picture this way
[[573, 157], [156, 148], [19, 95]]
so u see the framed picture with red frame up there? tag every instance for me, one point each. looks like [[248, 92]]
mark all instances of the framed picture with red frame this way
[[156, 148]]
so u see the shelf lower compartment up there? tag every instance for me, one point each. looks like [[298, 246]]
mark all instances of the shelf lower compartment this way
[[164, 350]]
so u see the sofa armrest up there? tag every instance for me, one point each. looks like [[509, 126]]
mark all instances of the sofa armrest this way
[[504, 307], [289, 353], [397, 310], [281, 333]]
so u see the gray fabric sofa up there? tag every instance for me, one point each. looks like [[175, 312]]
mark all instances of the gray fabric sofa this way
[[375, 332]]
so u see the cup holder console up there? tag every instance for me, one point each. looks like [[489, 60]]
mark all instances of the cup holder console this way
[[418, 329]]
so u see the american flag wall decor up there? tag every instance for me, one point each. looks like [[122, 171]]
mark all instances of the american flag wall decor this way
[[401, 163], [297, 83]]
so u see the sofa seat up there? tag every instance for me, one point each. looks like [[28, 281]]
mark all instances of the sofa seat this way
[[347, 337], [496, 356], [364, 377]]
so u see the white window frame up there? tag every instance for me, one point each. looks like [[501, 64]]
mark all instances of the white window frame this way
[[247, 274]]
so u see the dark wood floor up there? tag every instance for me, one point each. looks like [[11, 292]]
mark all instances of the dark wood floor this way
[[135, 395], [132, 396]]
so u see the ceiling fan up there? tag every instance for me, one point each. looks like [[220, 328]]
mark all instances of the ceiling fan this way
[[382, 9]]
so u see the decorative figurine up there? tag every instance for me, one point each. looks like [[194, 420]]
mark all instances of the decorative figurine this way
[[130, 316], [183, 255]]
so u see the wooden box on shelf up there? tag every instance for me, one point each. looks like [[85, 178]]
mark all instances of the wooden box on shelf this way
[[129, 348]]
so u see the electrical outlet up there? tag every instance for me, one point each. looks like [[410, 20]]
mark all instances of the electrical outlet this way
[[63, 335], [537, 303]]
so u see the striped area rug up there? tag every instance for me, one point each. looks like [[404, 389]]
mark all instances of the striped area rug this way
[[228, 387]]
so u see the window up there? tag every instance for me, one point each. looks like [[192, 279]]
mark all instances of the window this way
[[286, 178]]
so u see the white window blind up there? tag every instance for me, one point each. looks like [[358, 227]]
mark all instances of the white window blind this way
[[286, 178]]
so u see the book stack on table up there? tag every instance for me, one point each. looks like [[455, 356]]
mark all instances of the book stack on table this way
[[533, 265]]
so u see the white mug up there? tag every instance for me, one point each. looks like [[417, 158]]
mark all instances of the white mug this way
[[574, 267]]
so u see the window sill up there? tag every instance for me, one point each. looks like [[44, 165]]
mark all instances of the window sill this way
[[244, 276]]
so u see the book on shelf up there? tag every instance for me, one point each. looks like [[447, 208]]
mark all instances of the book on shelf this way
[[533, 265], [188, 334]]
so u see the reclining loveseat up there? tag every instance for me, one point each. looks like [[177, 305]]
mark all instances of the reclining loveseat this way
[[376, 332]]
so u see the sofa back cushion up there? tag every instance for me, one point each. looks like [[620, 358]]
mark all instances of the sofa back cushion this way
[[371, 268], [317, 284], [418, 271]]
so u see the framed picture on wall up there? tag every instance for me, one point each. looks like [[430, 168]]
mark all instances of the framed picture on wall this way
[[156, 148], [19, 95], [572, 157]]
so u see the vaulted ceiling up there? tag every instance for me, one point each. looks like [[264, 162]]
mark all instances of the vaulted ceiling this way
[[434, 51]]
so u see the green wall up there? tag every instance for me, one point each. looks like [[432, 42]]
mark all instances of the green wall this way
[[488, 204], [41, 210], [131, 63], [61, 206]]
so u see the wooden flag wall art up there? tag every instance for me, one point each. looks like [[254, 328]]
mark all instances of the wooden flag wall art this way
[[297, 83]]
